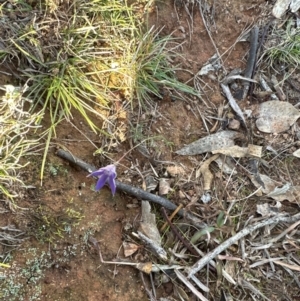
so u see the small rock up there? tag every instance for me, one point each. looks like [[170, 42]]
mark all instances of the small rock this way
[[175, 170], [164, 187], [181, 195], [234, 124]]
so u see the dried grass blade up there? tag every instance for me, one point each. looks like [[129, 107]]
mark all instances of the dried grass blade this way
[[290, 266], [290, 228], [264, 261], [190, 285], [200, 284]]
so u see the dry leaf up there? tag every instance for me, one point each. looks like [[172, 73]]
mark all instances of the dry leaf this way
[[280, 7], [254, 150], [295, 5], [240, 152], [276, 116], [210, 143], [263, 209], [297, 153], [145, 267], [279, 191], [148, 223], [268, 210], [226, 165], [286, 192], [164, 187], [233, 151], [269, 184], [129, 248], [150, 183], [292, 194], [175, 170], [206, 173]]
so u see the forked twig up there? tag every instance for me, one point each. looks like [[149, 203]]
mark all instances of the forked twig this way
[[227, 243], [146, 267], [182, 278]]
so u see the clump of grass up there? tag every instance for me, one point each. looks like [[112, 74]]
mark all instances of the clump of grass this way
[[83, 74], [15, 123], [284, 46], [85, 54], [153, 73]]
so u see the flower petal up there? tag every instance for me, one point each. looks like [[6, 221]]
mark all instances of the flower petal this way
[[101, 182], [112, 183], [97, 173], [111, 169]]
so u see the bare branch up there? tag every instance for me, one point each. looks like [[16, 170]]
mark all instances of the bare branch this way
[[230, 241], [233, 103]]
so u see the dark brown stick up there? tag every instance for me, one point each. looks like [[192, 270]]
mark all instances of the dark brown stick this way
[[140, 194], [251, 59], [174, 229], [261, 42]]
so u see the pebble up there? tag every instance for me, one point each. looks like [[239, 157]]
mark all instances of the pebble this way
[[234, 124]]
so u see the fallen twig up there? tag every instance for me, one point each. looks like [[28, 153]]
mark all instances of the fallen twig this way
[[251, 59], [170, 218], [152, 296], [146, 267], [252, 288], [233, 103], [174, 229], [277, 88], [230, 241], [266, 87], [285, 232], [259, 48], [182, 278], [153, 246], [134, 191]]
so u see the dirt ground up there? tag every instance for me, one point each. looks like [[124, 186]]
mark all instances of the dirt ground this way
[[59, 262]]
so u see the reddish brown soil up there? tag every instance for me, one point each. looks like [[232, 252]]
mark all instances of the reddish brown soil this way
[[81, 276]]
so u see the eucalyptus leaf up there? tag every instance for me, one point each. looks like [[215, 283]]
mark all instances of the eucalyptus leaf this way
[[200, 233], [221, 219]]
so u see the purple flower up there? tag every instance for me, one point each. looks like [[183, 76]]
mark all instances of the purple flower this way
[[106, 175]]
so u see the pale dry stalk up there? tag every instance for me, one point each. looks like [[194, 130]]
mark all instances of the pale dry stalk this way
[[230, 241]]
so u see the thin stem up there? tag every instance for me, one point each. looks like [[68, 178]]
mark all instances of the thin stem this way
[[174, 229]]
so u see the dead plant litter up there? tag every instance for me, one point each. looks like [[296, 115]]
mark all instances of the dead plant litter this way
[[276, 116], [210, 143]]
